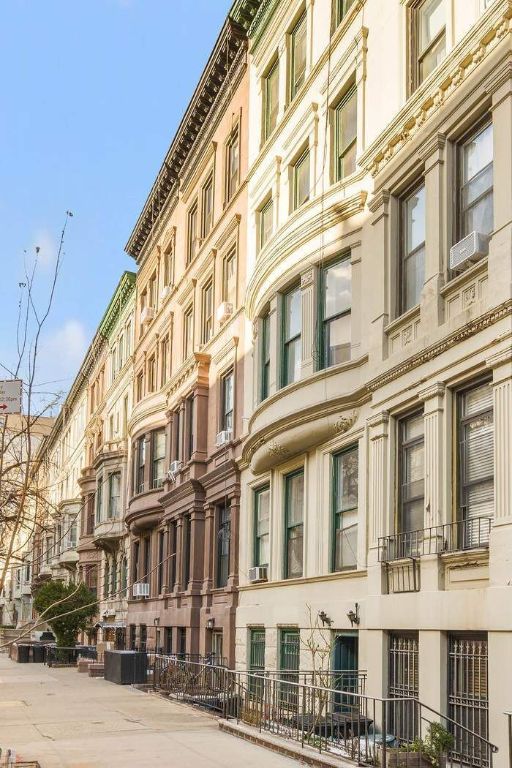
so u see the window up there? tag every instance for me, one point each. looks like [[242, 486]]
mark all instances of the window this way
[[140, 464], [345, 135], [152, 291], [187, 544], [336, 309], [114, 494], [300, 181], [152, 374], [298, 45], [189, 413], [169, 264], [182, 641], [135, 560], [177, 436], [99, 499], [476, 183], [139, 387], [217, 648], [223, 544], [265, 356], [341, 8], [158, 458], [207, 207], [160, 571], [113, 576], [188, 333], [270, 99], [164, 360], [346, 481], [292, 323], [256, 660], [146, 573], [294, 517], [172, 554], [192, 233], [232, 164], [403, 681], [207, 312], [411, 485], [265, 224], [124, 576], [412, 260], [226, 417], [229, 278], [106, 578], [262, 526], [468, 694], [289, 664], [475, 463], [429, 19]]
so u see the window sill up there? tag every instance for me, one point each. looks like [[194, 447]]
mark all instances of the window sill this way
[[454, 283], [403, 319]]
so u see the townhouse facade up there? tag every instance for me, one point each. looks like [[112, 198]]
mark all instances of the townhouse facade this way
[[186, 423], [103, 556], [375, 468]]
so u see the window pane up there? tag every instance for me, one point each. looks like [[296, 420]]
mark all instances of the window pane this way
[[271, 99], [298, 55], [262, 519], [412, 474], [293, 361], [413, 257], [337, 340], [294, 552], [301, 191], [338, 289], [478, 153], [266, 216], [415, 219], [293, 309], [295, 498], [432, 21], [346, 131], [347, 476]]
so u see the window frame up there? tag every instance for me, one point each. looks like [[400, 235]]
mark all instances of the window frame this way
[[326, 321], [207, 316], [294, 85], [157, 461], [227, 415], [140, 464], [207, 221], [256, 554], [192, 236], [286, 342], [474, 131], [415, 55], [265, 357], [287, 479], [296, 165], [337, 514], [404, 445], [350, 92], [114, 514], [267, 126], [223, 531], [405, 255], [188, 331], [340, 10], [230, 256], [232, 182], [267, 206]]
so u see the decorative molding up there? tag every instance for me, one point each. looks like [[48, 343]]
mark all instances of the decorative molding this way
[[381, 199], [197, 364], [277, 450], [503, 357], [436, 143], [228, 347], [498, 78], [307, 278], [228, 232], [344, 423], [426, 101], [450, 341]]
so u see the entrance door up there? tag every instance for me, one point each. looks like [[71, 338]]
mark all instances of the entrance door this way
[[345, 664]]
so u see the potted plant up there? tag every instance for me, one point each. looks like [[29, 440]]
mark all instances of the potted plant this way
[[430, 752]]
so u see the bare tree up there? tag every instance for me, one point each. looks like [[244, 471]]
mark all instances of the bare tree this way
[[22, 499]]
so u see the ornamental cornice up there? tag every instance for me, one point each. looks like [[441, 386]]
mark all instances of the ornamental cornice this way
[[450, 341], [298, 230], [476, 45], [499, 77], [196, 365], [228, 231], [436, 143]]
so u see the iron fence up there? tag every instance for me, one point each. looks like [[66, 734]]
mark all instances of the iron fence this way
[[68, 657], [459, 535], [308, 714]]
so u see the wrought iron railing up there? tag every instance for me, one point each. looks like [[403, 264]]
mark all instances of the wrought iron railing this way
[[342, 722], [68, 657], [471, 533]]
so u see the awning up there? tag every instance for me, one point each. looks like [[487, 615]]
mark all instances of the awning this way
[[110, 625]]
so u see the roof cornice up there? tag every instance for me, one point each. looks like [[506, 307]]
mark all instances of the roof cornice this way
[[124, 290], [218, 69]]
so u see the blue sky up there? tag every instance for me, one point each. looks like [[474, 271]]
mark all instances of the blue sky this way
[[92, 93]]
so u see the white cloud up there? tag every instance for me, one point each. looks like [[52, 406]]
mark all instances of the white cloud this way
[[60, 355]]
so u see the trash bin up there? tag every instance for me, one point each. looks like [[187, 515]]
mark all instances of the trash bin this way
[[23, 654], [38, 654]]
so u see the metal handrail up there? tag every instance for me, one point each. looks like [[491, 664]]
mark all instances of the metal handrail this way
[[345, 722], [459, 535]]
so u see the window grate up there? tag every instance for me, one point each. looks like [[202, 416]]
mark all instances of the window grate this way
[[403, 682]]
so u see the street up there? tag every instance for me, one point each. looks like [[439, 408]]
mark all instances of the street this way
[[67, 720]]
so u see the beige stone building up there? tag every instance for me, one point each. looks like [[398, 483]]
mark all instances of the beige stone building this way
[[186, 423], [377, 417]]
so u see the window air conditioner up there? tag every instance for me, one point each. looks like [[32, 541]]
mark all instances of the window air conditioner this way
[[223, 437], [140, 589], [258, 573], [468, 250], [174, 469], [164, 293], [224, 311], [146, 315]]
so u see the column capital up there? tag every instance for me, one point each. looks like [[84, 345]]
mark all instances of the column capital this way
[[380, 200], [500, 359], [379, 420], [433, 149], [435, 390], [499, 78]]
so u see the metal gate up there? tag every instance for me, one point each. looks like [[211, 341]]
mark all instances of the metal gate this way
[[403, 683], [468, 694], [256, 659], [289, 666]]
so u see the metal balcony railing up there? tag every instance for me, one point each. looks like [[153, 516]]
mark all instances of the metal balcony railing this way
[[347, 724], [471, 533]]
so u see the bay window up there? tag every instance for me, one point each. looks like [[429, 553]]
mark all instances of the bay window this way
[[292, 340]]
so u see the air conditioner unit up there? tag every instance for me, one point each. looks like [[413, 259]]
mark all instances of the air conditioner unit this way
[[258, 573], [224, 311], [164, 293], [223, 437], [468, 250], [140, 589], [146, 315], [174, 469]]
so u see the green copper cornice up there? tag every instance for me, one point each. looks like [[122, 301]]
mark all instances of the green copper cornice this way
[[243, 12], [261, 20], [124, 290]]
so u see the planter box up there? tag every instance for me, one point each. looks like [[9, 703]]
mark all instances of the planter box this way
[[399, 758]]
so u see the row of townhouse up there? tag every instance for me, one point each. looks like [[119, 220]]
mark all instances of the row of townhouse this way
[[301, 405]]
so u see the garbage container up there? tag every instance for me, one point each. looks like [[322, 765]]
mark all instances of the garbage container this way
[[23, 654], [38, 654]]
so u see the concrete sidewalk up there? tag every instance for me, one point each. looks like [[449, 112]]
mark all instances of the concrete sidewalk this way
[[67, 720]]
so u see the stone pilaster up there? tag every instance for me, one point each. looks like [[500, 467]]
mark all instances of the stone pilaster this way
[[433, 155], [275, 345], [383, 273], [433, 398], [309, 292], [501, 364], [378, 524], [209, 541]]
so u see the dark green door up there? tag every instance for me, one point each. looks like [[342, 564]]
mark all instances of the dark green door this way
[[345, 663], [289, 667]]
